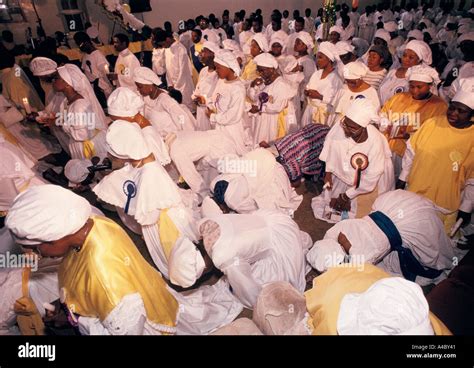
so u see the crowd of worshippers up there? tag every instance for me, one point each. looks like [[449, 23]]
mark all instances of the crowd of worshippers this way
[[201, 156]]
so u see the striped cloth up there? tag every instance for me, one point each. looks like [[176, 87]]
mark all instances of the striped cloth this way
[[299, 152]]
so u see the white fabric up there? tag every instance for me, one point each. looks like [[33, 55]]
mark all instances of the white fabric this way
[[46, 213], [469, 36], [206, 84], [124, 102], [362, 112], [382, 34], [367, 313], [306, 38], [416, 34], [336, 29], [261, 41], [266, 60], [329, 50], [256, 249], [211, 46], [422, 50], [390, 26], [423, 73], [343, 47], [228, 59], [96, 66], [145, 75], [392, 85], [76, 171], [281, 40], [125, 67], [465, 97], [326, 253], [355, 70], [41, 66], [125, 140]]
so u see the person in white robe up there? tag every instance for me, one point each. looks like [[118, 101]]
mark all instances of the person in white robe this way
[[81, 115], [206, 84], [271, 98], [304, 53], [353, 88], [125, 65], [291, 73], [128, 291], [358, 165], [371, 240], [158, 101], [255, 249], [178, 66], [322, 86], [255, 181]]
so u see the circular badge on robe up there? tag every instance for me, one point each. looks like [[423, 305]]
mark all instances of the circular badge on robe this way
[[455, 156], [359, 161]]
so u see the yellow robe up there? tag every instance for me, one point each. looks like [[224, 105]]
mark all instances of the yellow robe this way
[[108, 267], [443, 162], [417, 112], [324, 299], [250, 71]]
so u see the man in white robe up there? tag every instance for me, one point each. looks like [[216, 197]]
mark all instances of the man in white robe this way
[[126, 63]]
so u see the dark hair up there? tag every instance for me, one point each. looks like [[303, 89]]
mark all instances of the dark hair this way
[[7, 35], [81, 37], [7, 61], [160, 35], [384, 53], [176, 95], [300, 20], [122, 38], [198, 31]]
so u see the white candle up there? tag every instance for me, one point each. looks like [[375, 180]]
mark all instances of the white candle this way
[[26, 104], [107, 70]]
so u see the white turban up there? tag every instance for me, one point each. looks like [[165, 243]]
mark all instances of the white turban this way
[[231, 45], [124, 102], [211, 46], [125, 140], [355, 70], [464, 96], [383, 34], [92, 32], [276, 38], [266, 60], [466, 84], [73, 76], [465, 28], [330, 50], [423, 73], [261, 41], [427, 22], [324, 254], [76, 170], [421, 49], [464, 21], [46, 213], [391, 306], [390, 26], [344, 47], [306, 38], [469, 36], [361, 111], [228, 59], [41, 66], [336, 29], [186, 264], [416, 34], [145, 75]]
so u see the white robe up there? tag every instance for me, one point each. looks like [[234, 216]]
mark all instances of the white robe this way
[[178, 72], [125, 67], [205, 87], [97, 69], [327, 87], [309, 67], [256, 249], [392, 85]]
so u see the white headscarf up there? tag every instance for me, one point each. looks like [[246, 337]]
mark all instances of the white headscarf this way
[[231, 45], [390, 26], [211, 46], [469, 36], [261, 41], [423, 73], [465, 96], [391, 306], [421, 49], [41, 66], [276, 38], [330, 50], [46, 213], [288, 64], [266, 60], [361, 111], [336, 29], [145, 75], [306, 38], [416, 34], [324, 254], [228, 59], [76, 170], [73, 76], [124, 102], [382, 34], [344, 47], [355, 70], [125, 140]]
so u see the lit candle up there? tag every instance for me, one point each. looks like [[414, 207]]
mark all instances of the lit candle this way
[[26, 104], [107, 70]]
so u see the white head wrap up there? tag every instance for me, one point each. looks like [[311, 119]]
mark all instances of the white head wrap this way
[[465, 94], [344, 47], [324, 254], [73, 76], [423, 73], [211, 46], [276, 38], [228, 59], [329, 49], [186, 264], [41, 66], [336, 29], [92, 32], [125, 140], [416, 34], [261, 41], [355, 70], [124, 102], [266, 60], [465, 28], [76, 170], [466, 84], [145, 75], [469, 36], [421, 49], [383, 34], [362, 112], [231, 45], [46, 213], [390, 26], [391, 306], [306, 38]]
